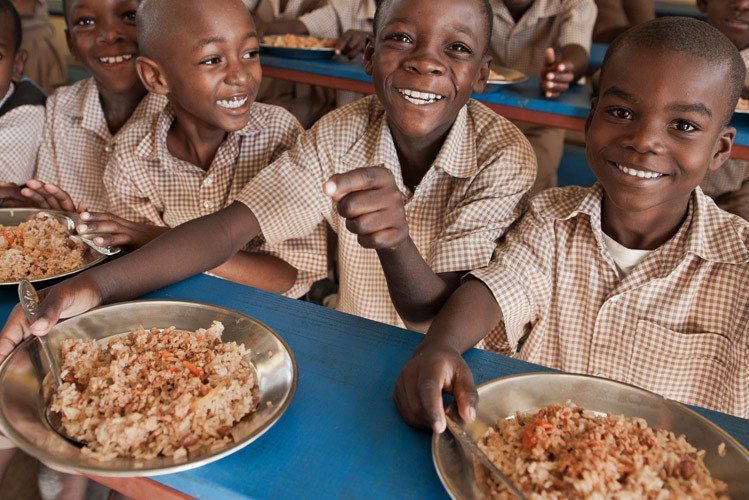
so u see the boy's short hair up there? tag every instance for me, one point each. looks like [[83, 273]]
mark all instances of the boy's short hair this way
[[7, 8], [382, 6], [685, 35]]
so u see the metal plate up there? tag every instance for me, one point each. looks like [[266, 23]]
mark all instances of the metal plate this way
[[290, 53], [507, 76], [15, 216], [501, 398], [743, 107], [21, 376]]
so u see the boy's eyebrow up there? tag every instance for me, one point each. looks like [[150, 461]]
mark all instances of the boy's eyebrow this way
[[403, 20], [214, 39], [698, 108], [617, 92]]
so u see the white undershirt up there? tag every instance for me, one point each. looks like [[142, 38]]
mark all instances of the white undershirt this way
[[625, 258]]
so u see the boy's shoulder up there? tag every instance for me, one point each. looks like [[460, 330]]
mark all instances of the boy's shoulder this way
[[25, 95], [562, 203], [355, 117], [272, 118], [71, 99], [492, 130]]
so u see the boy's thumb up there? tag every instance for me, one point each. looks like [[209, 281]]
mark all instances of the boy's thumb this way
[[550, 56]]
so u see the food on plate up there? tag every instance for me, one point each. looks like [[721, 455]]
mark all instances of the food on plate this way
[[290, 41]]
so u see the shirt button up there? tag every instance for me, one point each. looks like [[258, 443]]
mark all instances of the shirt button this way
[[109, 148], [208, 182], [208, 204]]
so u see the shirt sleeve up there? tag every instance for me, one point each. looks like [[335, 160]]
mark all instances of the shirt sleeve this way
[[20, 136], [519, 275], [46, 160], [126, 198], [579, 19], [322, 22]]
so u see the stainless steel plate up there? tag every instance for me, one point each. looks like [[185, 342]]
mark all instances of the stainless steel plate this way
[[501, 398], [504, 76], [15, 216], [22, 407]]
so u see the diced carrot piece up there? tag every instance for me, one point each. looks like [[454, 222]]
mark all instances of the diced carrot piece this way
[[193, 369], [546, 425]]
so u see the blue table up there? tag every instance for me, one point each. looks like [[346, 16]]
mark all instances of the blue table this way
[[341, 437], [663, 9]]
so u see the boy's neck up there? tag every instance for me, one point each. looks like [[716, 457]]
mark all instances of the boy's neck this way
[[517, 13], [194, 141], [118, 107], [645, 230], [416, 156]]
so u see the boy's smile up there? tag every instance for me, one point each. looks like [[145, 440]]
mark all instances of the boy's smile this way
[[731, 17], [426, 61], [654, 133], [101, 34]]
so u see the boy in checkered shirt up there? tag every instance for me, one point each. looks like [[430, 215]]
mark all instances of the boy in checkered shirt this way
[[729, 185], [21, 109], [549, 39], [641, 278], [197, 154], [418, 182]]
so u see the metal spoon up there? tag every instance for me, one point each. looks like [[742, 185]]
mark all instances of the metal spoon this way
[[30, 305], [456, 426], [86, 239]]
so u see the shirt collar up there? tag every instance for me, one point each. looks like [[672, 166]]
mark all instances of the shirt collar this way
[[11, 88], [708, 232], [87, 107]]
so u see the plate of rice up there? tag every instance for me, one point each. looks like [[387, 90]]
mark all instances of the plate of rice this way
[[150, 387], [37, 248], [298, 47], [561, 436]]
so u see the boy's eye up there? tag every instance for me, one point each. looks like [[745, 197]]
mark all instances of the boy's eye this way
[[684, 126], [130, 16], [84, 21], [461, 47], [211, 61], [400, 37], [621, 113], [251, 54]]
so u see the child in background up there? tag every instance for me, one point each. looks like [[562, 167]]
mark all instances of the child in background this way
[[307, 102], [550, 39], [45, 64], [729, 185], [83, 119], [21, 110], [617, 16], [640, 278], [195, 156], [419, 182]]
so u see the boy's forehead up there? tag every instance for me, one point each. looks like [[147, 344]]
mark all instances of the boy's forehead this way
[[6, 31], [451, 12]]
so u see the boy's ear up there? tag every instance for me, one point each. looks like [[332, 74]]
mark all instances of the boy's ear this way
[[18, 63], [702, 5], [71, 46], [480, 83], [589, 119], [723, 146], [152, 75], [368, 53]]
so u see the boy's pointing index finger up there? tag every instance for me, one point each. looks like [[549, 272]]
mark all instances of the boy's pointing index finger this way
[[361, 179]]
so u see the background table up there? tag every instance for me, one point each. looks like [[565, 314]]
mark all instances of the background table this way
[[342, 436], [516, 102]]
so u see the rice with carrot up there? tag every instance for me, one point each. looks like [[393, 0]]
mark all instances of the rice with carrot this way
[[37, 249], [564, 451], [154, 392]]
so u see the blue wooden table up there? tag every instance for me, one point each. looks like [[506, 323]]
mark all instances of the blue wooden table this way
[[341, 437], [521, 102], [663, 9]]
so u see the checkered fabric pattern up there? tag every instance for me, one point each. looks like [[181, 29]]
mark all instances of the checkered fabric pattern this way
[[729, 185], [20, 134], [465, 202], [677, 325], [147, 184], [547, 23], [77, 144]]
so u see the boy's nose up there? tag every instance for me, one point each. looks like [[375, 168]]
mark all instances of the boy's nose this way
[[237, 75], [425, 64], [741, 4], [109, 33], [644, 140]]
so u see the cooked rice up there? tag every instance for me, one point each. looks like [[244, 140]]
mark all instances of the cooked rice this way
[[563, 451], [37, 249], [154, 393]]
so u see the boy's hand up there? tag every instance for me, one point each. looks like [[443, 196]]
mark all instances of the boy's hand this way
[[418, 390], [65, 300], [556, 76], [51, 197], [372, 205], [110, 230], [11, 196], [352, 43]]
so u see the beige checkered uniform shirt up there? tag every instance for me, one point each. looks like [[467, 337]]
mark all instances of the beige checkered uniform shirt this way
[[464, 203], [147, 184], [20, 134], [729, 185], [677, 325], [77, 144]]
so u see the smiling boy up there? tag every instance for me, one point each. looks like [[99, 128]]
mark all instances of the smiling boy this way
[[640, 278], [419, 183]]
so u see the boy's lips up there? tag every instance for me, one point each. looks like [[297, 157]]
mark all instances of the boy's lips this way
[[419, 97], [738, 23], [233, 103], [636, 171], [115, 59]]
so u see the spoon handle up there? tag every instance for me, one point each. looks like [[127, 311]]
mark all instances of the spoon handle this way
[[30, 304]]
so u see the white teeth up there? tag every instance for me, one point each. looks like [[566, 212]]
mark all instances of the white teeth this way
[[420, 98], [116, 59], [642, 174], [232, 103]]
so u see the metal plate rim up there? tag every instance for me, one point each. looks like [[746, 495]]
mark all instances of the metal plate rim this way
[[46, 458]]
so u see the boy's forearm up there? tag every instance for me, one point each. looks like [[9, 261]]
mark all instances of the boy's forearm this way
[[188, 249], [417, 292], [262, 271], [578, 56], [467, 317]]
